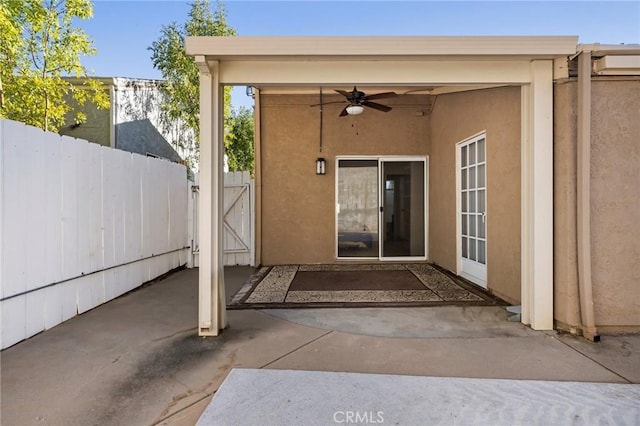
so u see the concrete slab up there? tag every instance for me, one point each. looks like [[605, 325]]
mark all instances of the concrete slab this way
[[257, 397], [137, 359], [535, 358], [433, 322], [620, 354]]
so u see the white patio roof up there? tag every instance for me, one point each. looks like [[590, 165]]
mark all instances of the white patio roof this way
[[332, 61], [247, 48], [527, 61]]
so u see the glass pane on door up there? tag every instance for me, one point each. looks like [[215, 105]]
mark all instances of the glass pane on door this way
[[358, 208], [403, 222]]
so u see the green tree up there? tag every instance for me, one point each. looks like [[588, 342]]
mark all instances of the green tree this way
[[39, 46], [239, 143], [180, 72], [11, 40]]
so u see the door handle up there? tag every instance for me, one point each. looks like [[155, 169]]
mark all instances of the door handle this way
[[484, 217]]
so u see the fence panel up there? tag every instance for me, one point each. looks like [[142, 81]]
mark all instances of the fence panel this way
[[80, 224]]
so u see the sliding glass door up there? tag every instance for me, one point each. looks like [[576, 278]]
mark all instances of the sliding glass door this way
[[381, 208], [357, 207], [403, 208]]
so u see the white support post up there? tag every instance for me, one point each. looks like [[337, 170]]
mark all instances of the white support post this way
[[526, 179], [218, 212], [538, 217], [212, 317]]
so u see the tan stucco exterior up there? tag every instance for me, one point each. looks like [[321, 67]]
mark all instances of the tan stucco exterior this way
[[615, 203], [298, 206], [456, 117]]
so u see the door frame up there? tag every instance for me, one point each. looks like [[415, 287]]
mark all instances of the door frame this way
[[459, 272], [381, 159]]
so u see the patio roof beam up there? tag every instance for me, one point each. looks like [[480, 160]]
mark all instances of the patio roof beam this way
[[296, 47], [383, 72]]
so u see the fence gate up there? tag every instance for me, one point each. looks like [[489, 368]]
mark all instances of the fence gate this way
[[238, 220]]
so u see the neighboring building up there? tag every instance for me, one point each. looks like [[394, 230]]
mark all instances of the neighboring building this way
[[502, 161], [133, 122]]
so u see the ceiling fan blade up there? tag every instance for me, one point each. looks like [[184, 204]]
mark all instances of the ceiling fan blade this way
[[327, 103], [344, 111], [377, 106], [380, 96], [344, 93]]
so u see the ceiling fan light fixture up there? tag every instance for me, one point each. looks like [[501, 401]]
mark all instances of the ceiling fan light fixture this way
[[355, 109]]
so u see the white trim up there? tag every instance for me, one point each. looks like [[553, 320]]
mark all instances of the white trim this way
[[295, 47], [617, 65], [526, 227], [426, 208]]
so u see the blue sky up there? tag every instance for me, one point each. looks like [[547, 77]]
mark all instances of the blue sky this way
[[122, 30]]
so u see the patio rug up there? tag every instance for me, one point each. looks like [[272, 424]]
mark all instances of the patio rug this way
[[407, 284]]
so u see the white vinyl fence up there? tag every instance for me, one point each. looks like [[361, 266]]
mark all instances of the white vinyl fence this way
[[80, 224], [239, 218]]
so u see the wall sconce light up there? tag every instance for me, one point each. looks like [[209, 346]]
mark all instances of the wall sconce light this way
[[321, 165], [354, 109]]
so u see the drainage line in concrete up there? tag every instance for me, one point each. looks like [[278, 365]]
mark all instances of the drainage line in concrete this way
[[594, 360], [90, 273], [297, 349], [184, 408]]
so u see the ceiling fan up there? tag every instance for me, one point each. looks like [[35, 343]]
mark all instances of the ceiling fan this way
[[357, 100]]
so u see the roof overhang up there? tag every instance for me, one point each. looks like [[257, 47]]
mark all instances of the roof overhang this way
[[617, 65], [372, 48], [339, 61]]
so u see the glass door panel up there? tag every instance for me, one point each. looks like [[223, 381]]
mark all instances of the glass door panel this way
[[403, 217], [358, 208]]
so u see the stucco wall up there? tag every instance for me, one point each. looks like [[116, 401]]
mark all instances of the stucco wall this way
[[456, 117], [615, 203], [140, 127], [96, 129], [298, 207]]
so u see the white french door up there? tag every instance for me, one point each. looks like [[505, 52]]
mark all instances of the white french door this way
[[472, 209]]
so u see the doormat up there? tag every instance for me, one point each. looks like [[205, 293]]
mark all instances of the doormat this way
[[376, 285]]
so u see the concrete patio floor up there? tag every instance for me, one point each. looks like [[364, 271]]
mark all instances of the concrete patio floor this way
[[138, 360]]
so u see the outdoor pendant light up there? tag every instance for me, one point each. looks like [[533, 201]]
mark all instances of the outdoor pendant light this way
[[320, 166], [354, 109]]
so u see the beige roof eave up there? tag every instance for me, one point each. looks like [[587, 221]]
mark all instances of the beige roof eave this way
[[255, 48]]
